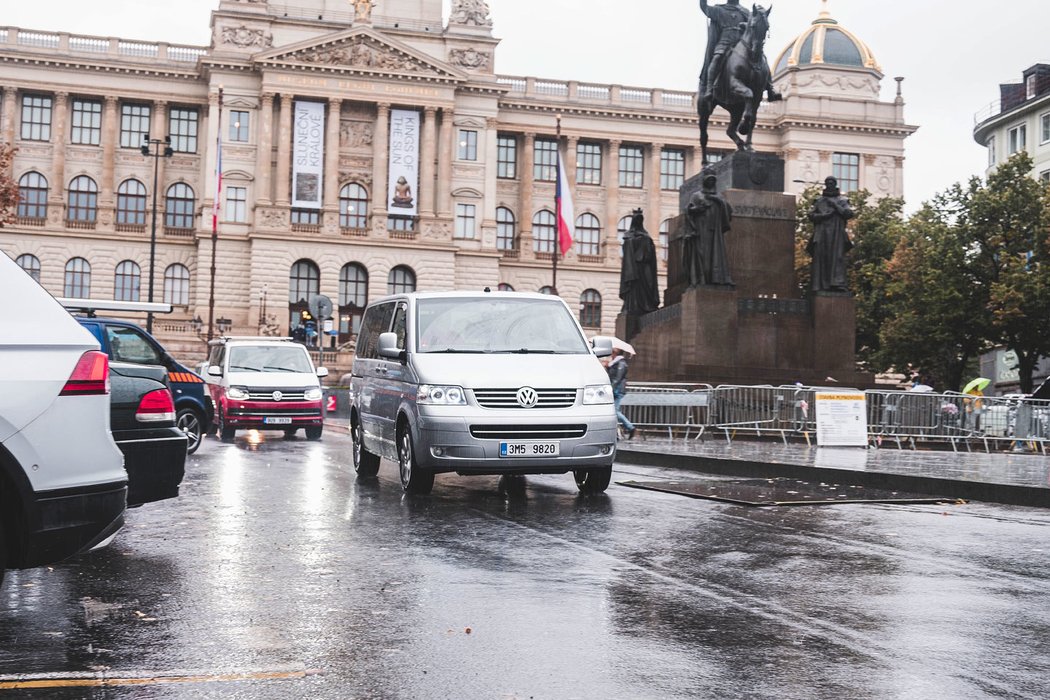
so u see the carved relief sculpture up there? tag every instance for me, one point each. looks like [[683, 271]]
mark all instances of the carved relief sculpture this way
[[470, 58], [472, 13], [363, 10], [360, 55], [244, 37], [356, 134]]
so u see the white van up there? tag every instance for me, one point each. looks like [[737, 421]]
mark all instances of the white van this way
[[480, 383], [63, 487], [264, 384]]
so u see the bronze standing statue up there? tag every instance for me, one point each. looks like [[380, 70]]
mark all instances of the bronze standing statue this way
[[735, 72], [707, 219], [639, 288], [830, 242]]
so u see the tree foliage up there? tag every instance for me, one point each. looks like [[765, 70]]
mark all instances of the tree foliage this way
[[8, 187]]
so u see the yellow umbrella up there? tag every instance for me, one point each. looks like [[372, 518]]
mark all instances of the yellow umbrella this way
[[976, 385]]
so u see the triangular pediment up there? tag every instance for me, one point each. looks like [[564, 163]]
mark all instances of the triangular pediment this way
[[360, 50]]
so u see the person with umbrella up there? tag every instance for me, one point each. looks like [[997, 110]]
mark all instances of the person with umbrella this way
[[975, 405], [617, 370]]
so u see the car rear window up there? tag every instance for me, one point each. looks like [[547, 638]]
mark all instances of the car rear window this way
[[269, 358], [497, 325]]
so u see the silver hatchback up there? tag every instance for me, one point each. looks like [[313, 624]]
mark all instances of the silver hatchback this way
[[480, 383]]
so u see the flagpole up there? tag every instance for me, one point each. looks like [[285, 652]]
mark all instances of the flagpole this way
[[557, 213], [215, 219]]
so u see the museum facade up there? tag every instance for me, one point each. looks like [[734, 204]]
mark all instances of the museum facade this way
[[370, 148]]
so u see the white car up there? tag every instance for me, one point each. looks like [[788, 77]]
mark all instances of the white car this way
[[63, 487]]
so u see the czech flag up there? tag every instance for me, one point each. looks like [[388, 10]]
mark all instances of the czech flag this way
[[566, 212]]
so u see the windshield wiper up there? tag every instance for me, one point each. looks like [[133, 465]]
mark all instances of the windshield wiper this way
[[245, 367], [528, 351], [278, 369], [455, 351]]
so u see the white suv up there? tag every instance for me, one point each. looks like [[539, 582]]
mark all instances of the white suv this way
[[63, 486]]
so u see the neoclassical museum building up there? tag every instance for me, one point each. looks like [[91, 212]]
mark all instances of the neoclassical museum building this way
[[369, 148]]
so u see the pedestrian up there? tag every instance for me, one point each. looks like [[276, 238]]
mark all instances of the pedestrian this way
[[617, 370]]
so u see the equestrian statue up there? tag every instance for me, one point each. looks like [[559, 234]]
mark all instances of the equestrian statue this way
[[736, 72]]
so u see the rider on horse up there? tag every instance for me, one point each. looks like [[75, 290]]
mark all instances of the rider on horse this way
[[726, 29]]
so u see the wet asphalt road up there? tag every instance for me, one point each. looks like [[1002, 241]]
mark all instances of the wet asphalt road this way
[[277, 574]]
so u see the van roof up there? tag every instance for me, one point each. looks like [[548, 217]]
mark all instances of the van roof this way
[[467, 295], [250, 340]]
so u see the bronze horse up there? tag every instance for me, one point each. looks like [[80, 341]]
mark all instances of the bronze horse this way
[[744, 77]]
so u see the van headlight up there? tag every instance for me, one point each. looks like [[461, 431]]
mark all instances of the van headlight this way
[[597, 394], [313, 394], [237, 394], [441, 395]]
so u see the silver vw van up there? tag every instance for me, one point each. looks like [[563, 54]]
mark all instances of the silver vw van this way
[[480, 383]]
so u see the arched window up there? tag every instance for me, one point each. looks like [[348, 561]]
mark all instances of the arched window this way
[[622, 227], [178, 206], [177, 285], [78, 279], [588, 235], [304, 281], [591, 309], [32, 196], [665, 238], [353, 206], [353, 298], [126, 281], [543, 232], [83, 200], [131, 203], [547, 290], [402, 280], [505, 233], [31, 264], [504, 287]]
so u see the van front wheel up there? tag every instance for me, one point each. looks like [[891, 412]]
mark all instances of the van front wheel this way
[[366, 464], [413, 479], [594, 480]]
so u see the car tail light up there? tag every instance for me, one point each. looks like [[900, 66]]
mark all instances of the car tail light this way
[[90, 376], [156, 407]]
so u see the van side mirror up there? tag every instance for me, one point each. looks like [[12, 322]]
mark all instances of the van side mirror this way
[[388, 346], [322, 372], [602, 347], [214, 371]]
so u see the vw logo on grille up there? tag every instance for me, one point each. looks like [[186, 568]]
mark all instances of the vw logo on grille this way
[[277, 396], [527, 397]]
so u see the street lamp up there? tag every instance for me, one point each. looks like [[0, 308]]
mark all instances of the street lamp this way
[[153, 147]]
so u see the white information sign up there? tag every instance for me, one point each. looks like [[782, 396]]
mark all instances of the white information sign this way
[[404, 162], [308, 155], [842, 419]]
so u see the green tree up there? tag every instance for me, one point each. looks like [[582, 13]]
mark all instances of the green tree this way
[[8, 187], [936, 318], [1008, 221], [875, 230]]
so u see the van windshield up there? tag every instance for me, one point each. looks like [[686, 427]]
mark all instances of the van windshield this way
[[270, 358], [497, 325]]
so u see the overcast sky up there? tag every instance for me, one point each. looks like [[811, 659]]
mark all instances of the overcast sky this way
[[952, 55]]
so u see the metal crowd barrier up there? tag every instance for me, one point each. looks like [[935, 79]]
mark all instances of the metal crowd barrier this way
[[671, 407], [904, 418], [758, 410]]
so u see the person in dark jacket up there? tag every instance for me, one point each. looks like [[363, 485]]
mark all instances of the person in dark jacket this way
[[617, 370]]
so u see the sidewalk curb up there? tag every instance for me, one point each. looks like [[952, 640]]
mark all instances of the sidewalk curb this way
[[1006, 494]]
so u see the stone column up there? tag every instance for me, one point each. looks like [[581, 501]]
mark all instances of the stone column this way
[[264, 152], [110, 136], [380, 156], [489, 158], [528, 151], [612, 196], [428, 183], [159, 130], [331, 161], [570, 162], [7, 115], [444, 192], [654, 214], [59, 119], [284, 153]]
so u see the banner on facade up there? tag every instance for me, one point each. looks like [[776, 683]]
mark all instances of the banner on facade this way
[[404, 162], [308, 155]]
